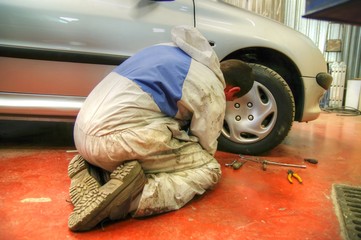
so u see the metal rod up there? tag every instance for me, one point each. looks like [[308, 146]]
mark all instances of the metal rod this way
[[286, 164], [257, 160]]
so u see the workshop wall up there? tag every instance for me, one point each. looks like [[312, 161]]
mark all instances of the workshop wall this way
[[269, 8], [324, 34]]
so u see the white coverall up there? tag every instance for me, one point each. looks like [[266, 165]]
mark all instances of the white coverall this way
[[138, 111]]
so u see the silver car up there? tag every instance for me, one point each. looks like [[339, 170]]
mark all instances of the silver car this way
[[52, 54]]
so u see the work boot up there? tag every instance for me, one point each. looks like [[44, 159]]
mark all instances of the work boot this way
[[82, 182], [112, 200]]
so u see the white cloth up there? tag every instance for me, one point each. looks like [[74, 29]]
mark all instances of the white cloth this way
[[138, 111]]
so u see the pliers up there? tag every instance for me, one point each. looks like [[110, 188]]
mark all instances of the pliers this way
[[293, 174]]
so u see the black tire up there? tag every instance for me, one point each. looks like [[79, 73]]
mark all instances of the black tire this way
[[261, 119]]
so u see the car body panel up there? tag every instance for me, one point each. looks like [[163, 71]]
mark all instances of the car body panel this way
[[119, 28], [50, 77]]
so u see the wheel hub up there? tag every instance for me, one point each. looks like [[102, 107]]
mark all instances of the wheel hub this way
[[252, 117]]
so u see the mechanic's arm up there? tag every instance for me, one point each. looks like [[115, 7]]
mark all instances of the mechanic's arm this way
[[207, 123], [203, 103]]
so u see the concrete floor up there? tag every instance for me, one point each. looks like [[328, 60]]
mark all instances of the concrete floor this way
[[248, 203]]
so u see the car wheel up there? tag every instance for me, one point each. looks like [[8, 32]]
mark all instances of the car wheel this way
[[261, 119]]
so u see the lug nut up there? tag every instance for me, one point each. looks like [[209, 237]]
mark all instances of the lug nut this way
[[250, 117], [238, 118], [237, 105], [249, 104]]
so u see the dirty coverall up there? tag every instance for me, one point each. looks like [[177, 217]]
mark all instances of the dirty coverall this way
[[164, 107]]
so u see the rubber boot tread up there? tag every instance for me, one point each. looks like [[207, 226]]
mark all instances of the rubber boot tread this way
[[97, 204]]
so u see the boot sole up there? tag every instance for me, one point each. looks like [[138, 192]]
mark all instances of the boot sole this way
[[76, 165], [126, 183], [77, 168]]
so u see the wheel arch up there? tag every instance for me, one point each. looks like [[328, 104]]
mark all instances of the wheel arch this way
[[281, 64]]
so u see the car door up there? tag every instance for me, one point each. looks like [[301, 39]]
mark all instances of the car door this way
[[65, 47]]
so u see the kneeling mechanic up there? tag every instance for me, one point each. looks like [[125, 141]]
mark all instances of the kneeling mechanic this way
[[147, 133]]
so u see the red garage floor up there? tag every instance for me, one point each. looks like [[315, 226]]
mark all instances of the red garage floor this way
[[248, 203]]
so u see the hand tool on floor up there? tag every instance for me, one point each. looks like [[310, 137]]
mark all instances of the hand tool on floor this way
[[235, 164], [291, 174], [267, 162], [311, 160], [230, 164]]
